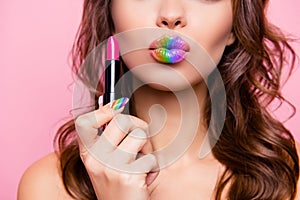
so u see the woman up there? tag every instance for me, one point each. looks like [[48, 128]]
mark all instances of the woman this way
[[254, 157]]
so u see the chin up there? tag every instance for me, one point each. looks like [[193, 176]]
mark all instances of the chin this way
[[160, 76], [170, 87]]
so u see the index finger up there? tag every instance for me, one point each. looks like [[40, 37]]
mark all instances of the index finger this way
[[87, 125]]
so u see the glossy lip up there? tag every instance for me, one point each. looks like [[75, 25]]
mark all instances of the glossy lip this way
[[169, 49]]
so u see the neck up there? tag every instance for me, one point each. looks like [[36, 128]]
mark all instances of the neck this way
[[174, 118]]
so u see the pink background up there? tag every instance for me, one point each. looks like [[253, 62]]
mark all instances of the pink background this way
[[35, 77]]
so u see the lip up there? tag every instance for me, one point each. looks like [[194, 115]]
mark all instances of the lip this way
[[169, 49]]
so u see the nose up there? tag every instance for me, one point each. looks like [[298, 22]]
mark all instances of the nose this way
[[171, 15]]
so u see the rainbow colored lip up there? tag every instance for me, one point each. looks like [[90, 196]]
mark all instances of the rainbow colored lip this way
[[169, 49]]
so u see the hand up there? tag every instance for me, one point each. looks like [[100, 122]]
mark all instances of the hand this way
[[111, 159]]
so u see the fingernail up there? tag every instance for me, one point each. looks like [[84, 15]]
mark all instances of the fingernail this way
[[100, 100], [119, 103]]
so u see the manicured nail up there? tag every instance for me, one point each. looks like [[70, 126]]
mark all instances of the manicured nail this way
[[100, 100], [119, 103]]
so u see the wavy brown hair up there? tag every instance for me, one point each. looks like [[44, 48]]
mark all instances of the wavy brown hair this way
[[258, 152]]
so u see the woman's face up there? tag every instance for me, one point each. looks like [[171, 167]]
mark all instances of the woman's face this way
[[206, 22]]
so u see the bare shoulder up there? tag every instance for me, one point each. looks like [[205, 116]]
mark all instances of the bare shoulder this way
[[42, 180]]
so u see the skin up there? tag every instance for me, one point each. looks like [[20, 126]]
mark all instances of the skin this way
[[192, 18], [185, 17], [209, 23]]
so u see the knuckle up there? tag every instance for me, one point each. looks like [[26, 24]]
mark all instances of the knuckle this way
[[127, 179], [122, 121], [108, 112], [139, 133], [139, 138], [139, 122], [122, 118], [128, 122], [82, 122], [144, 125], [153, 162], [152, 158]]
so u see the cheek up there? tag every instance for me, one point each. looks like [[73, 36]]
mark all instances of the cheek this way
[[120, 19], [214, 32], [127, 14]]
